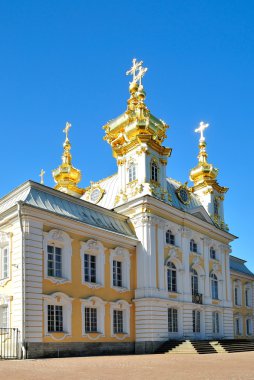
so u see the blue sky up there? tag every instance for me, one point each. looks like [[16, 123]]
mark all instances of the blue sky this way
[[66, 60]]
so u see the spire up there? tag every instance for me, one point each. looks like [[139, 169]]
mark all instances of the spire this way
[[66, 176], [204, 171]]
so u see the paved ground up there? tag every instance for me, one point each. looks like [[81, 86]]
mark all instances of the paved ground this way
[[173, 367]]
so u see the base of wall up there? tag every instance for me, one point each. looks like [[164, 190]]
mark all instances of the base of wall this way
[[60, 350], [148, 347]]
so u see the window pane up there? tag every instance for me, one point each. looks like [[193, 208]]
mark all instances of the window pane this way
[[118, 321], [172, 320], [117, 273], [90, 319]]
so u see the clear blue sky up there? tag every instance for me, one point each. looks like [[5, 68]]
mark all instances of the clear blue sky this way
[[66, 60]]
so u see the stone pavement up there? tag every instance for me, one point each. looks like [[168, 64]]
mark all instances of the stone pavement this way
[[237, 366]]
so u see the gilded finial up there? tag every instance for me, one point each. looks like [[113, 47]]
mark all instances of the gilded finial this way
[[200, 129], [66, 130], [137, 71], [42, 176]]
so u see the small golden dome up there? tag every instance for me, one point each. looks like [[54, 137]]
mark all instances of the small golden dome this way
[[66, 176]]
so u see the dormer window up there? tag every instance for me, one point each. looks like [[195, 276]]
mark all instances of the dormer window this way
[[193, 246], [212, 253], [132, 172], [170, 238], [154, 172]]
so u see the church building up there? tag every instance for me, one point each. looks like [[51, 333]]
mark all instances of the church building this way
[[132, 261]]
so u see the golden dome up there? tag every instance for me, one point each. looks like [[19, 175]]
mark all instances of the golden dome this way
[[66, 176]]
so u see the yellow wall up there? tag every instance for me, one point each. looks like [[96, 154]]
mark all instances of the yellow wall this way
[[77, 290]]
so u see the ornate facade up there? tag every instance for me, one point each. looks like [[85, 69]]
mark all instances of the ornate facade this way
[[127, 263]]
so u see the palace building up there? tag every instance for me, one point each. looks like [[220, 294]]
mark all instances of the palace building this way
[[132, 261]]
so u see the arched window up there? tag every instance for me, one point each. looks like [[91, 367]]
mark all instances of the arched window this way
[[212, 253], [214, 286], [132, 172], [154, 172], [171, 275], [193, 246], [194, 281], [170, 238]]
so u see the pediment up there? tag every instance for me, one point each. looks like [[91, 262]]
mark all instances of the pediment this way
[[201, 214]]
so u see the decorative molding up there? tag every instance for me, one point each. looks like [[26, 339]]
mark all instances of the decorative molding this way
[[125, 307], [95, 248], [99, 304]]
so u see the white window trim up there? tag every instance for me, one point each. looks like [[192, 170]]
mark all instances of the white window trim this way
[[60, 239], [238, 316], [238, 285], [123, 255], [249, 318], [173, 258], [248, 287], [125, 307], [58, 299], [96, 248], [5, 301], [5, 242], [99, 304]]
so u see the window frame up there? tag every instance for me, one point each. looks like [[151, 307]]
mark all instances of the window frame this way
[[170, 238], [132, 172], [214, 283], [124, 306], [97, 303], [154, 171], [59, 239], [196, 321], [215, 322], [193, 246], [5, 245], [57, 324], [122, 255], [249, 326], [213, 255], [194, 281], [93, 248], [173, 320], [171, 277], [58, 299]]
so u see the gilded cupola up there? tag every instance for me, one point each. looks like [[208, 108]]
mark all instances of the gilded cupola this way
[[204, 173], [136, 125], [66, 176], [206, 187]]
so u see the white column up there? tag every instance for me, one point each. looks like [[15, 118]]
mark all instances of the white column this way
[[146, 251]]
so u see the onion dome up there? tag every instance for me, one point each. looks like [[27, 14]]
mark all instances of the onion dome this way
[[66, 176]]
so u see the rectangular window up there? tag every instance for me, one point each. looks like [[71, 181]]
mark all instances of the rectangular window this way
[[247, 297], [3, 316], [236, 296], [4, 265], [237, 326], [54, 261], [90, 319], [118, 321], [117, 273], [216, 326], [55, 318], [89, 268], [196, 321], [248, 327], [172, 321]]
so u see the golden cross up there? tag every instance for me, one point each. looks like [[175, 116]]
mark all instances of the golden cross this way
[[66, 129], [42, 176], [137, 66], [200, 129]]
